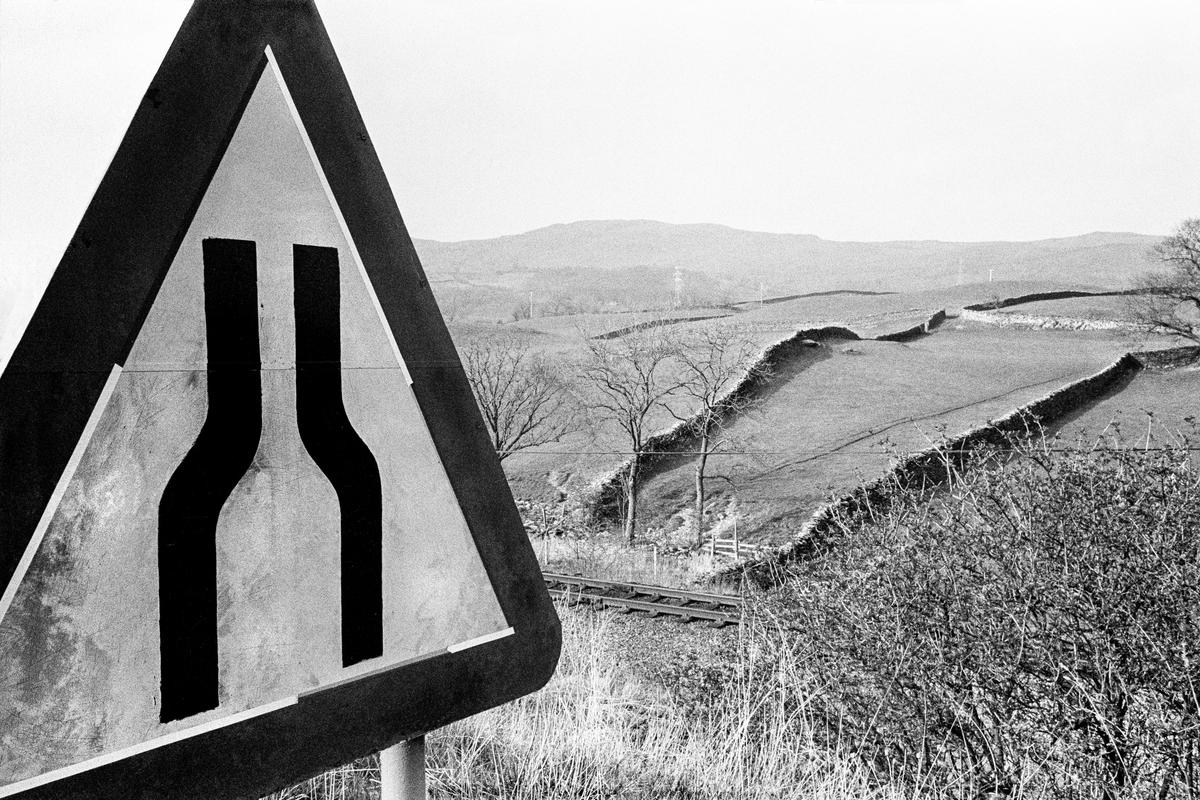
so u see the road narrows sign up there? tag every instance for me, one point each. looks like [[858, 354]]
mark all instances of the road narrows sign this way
[[250, 523]]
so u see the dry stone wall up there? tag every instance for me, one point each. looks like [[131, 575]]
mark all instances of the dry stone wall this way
[[1169, 358], [1008, 319], [602, 500], [916, 331], [932, 466], [655, 323], [1036, 296]]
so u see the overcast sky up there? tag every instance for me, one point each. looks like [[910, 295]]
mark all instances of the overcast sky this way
[[846, 119]]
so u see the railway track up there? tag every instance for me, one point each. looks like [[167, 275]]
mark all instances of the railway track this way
[[718, 610]]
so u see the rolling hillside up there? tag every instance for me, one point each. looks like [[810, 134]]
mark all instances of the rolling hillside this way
[[739, 260]]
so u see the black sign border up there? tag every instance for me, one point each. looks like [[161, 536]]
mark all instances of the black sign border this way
[[90, 315]]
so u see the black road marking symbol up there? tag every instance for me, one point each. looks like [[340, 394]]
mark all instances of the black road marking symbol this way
[[192, 499], [336, 447], [225, 448]]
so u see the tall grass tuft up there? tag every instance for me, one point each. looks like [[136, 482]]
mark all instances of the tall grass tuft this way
[[601, 554], [598, 730]]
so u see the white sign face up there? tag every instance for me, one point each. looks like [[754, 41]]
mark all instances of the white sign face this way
[[256, 509]]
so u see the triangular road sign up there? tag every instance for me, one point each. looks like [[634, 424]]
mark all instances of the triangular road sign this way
[[250, 522]]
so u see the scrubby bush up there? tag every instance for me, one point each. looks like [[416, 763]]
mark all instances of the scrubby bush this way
[[1031, 630]]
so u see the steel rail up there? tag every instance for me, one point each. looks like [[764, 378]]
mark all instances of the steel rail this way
[[716, 608], [643, 589], [628, 604]]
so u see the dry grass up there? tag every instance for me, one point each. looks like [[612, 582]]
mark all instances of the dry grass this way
[[657, 560], [599, 731]]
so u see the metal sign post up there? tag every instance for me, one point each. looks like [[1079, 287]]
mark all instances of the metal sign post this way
[[402, 771]]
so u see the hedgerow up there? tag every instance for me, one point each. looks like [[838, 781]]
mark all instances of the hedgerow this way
[[1032, 629]]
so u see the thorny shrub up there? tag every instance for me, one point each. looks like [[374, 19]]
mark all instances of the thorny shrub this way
[[1031, 630]]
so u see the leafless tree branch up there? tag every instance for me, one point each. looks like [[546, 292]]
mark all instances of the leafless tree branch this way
[[630, 377], [1169, 296], [524, 398]]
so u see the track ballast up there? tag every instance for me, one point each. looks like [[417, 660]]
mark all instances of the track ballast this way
[[717, 609]]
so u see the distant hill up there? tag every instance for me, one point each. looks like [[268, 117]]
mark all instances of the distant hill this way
[[785, 263], [629, 265]]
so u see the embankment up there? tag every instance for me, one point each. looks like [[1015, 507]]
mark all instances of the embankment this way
[[602, 500]]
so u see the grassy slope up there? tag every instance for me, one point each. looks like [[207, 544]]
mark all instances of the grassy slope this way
[[612, 266], [583, 456], [845, 399], [1076, 307], [638, 710], [1156, 403], [832, 426]]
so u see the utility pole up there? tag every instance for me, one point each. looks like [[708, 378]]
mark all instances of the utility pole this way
[[989, 276], [531, 305]]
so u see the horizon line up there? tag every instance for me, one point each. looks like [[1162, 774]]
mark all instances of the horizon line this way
[[818, 237]]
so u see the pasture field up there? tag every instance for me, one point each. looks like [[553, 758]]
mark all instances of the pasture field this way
[[841, 420], [1155, 409], [867, 314], [866, 310], [832, 416], [1114, 307], [598, 446]]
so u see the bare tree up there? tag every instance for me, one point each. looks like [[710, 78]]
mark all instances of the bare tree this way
[[524, 398], [455, 303], [719, 363], [632, 377], [1168, 300]]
